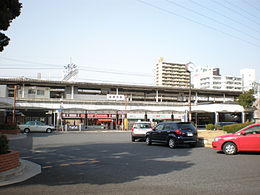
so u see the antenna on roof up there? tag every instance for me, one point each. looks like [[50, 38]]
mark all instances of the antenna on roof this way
[[70, 71]]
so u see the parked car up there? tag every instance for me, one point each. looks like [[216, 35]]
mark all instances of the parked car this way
[[36, 126], [246, 139], [139, 130], [222, 124], [173, 133]]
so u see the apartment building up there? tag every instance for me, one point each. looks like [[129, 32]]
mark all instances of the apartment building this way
[[171, 75], [249, 78], [221, 82], [209, 78]]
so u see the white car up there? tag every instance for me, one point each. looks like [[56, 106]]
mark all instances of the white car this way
[[139, 130], [36, 126]]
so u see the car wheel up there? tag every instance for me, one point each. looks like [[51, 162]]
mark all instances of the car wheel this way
[[48, 130], [148, 140], [172, 143], [230, 148], [26, 130], [133, 139]]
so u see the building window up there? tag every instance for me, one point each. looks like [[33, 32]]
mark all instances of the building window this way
[[40, 92], [31, 91]]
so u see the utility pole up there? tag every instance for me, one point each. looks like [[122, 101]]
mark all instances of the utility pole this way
[[14, 121]]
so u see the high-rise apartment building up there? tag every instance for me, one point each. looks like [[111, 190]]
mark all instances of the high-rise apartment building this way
[[171, 75]]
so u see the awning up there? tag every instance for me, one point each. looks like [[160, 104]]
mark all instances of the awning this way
[[104, 120]]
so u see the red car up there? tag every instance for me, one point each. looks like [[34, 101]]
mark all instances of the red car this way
[[246, 139]]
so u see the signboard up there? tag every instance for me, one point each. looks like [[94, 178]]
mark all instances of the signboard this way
[[115, 97], [102, 116], [73, 115], [159, 116], [135, 115], [178, 116]]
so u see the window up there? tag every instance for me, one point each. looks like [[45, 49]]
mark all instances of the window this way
[[159, 127], [30, 123], [39, 123], [170, 127], [253, 130], [31, 91], [40, 92]]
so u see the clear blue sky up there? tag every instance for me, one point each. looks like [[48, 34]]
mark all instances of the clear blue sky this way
[[121, 40]]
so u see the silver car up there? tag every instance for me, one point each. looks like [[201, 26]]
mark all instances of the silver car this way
[[36, 126], [139, 130]]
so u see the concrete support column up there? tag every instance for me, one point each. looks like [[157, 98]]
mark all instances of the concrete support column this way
[[216, 117], [224, 98], [72, 92], [116, 91], [196, 98], [156, 97], [54, 119], [23, 91], [243, 117]]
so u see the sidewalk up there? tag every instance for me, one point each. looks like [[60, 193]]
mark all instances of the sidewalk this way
[[24, 171], [207, 136]]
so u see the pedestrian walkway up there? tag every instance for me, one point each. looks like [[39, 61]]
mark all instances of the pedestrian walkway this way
[[24, 171]]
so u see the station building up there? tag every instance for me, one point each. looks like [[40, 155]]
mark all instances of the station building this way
[[84, 104]]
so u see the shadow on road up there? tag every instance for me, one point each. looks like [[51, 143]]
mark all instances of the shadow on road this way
[[101, 163]]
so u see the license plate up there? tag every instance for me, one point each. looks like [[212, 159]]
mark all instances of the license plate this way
[[189, 134]]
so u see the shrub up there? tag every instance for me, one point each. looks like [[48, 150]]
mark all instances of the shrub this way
[[3, 144], [8, 126], [218, 127], [235, 127], [210, 126]]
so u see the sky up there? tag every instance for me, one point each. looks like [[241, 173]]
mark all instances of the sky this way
[[120, 41]]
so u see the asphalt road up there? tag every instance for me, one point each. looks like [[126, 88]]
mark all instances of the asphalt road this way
[[109, 163]]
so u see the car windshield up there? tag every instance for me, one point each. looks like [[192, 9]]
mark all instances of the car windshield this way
[[142, 125]]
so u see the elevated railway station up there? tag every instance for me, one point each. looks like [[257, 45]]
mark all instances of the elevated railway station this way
[[84, 104]]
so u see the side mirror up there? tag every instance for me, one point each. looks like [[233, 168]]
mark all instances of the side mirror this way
[[242, 133]]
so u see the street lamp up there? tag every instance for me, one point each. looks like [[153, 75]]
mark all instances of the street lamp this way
[[189, 67]]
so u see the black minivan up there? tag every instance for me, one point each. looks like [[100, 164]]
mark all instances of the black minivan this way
[[173, 133]]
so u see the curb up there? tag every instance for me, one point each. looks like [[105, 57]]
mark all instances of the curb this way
[[26, 170], [16, 136]]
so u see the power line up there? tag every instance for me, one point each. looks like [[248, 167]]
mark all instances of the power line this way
[[196, 22], [30, 62], [235, 11], [219, 13], [119, 73], [212, 19], [82, 69], [248, 13], [27, 68], [251, 5], [86, 68]]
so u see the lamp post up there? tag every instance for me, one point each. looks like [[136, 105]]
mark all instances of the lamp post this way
[[189, 67]]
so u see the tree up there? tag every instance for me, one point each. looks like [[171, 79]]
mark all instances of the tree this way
[[9, 10], [246, 99]]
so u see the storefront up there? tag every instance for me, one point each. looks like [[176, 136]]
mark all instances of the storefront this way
[[108, 121], [155, 118], [74, 121], [134, 117]]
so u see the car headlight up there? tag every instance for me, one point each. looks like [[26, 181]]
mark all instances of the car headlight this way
[[217, 139]]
